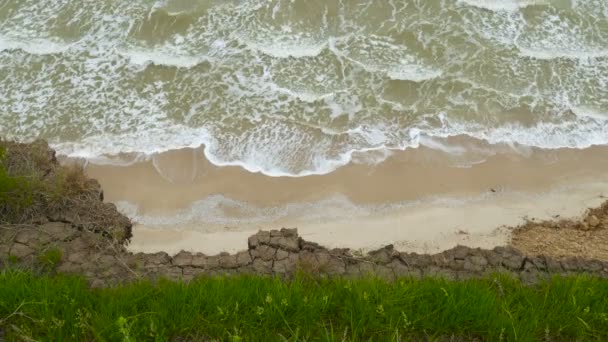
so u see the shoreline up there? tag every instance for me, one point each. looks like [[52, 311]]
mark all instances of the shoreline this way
[[425, 228], [416, 200]]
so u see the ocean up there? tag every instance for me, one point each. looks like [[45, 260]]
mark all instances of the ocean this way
[[302, 87]]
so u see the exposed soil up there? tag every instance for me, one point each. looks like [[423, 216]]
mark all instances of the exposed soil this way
[[584, 238]]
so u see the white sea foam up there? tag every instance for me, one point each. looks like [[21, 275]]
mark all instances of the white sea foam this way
[[34, 46], [502, 5], [581, 54], [147, 56]]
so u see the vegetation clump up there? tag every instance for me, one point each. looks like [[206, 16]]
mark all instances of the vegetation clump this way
[[33, 185], [35, 188]]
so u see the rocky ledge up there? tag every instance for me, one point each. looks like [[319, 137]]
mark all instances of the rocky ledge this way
[[104, 261]]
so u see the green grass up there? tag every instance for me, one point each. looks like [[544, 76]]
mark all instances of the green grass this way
[[60, 308]]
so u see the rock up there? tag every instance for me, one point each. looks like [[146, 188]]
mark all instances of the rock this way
[[69, 267], [160, 258], [182, 259], [570, 264], [261, 266], [335, 266], [493, 257], [459, 252], [27, 237], [471, 266], [58, 230], [288, 243], [416, 260], [593, 222], [21, 251], [383, 255], [593, 266], [78, 257], [553, 266], [260, 238], [265, 253], [384, 272], [170, 272], [512, 259], [401, 270], [228, 261], [286, 265], [206, 262], [191, 272], [281, 254], [243, 258]]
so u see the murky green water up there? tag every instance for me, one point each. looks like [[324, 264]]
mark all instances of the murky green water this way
[[298, 86]]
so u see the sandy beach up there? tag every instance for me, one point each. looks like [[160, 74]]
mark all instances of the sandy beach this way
[[421, 200]]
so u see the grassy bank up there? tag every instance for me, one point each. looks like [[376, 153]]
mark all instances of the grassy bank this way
[[34, 185], [254, 309]]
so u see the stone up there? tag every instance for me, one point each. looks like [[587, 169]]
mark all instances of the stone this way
[[78, 257], [243, 258], [381, 256], [493, 258], [265, 253], [261, 266], [171, 272], [401, 270], [538, 262], [192, 272], [335, 266], [228, 261], [260, 238], [456, 264], [478, 260], [470, 266], [309, 246], [384, 272], [182, 259], [570, 264], [593, 266], [199, 260], [287, 265], [80, 243], [459, 252], [553, 266], [513, 262], [593, 221], [27, 237], [281, 254], [160, 258], [288, 243], [416, 260], [21, 251], [253, 241], [511, 258], [293, 232], [59, 230]]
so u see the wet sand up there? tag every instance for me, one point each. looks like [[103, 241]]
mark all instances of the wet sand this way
[[420, 199]]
